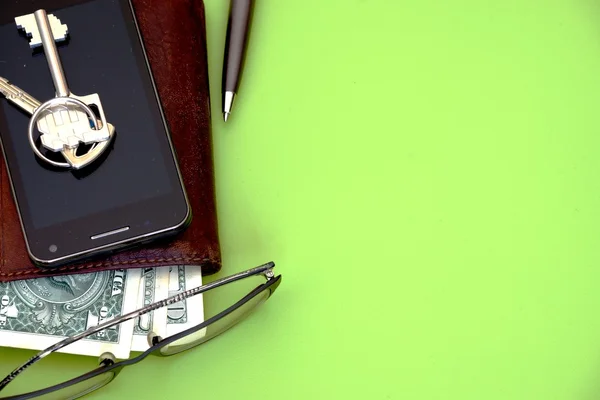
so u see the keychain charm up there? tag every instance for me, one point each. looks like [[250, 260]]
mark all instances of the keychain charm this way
[[66, 121]]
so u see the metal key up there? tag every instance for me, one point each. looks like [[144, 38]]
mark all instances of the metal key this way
[[70, 124], [29, 104], [18, 97], [26, 102]]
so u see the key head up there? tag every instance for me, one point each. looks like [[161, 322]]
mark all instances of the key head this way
[[27, 23]]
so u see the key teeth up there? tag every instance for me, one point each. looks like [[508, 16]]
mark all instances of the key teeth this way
[[72, 142], [51, 143], [27, 23], [56, 137], [93, 137]]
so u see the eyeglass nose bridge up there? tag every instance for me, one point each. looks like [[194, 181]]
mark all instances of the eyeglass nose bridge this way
[[107, 359], [269, 274], [153, 339]]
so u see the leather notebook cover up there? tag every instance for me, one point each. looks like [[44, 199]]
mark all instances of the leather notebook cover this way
[[174, 35]]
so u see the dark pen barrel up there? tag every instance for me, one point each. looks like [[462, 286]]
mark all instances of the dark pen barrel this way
[[238, 28]]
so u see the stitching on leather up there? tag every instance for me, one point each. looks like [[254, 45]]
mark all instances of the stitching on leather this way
[[110, 264]]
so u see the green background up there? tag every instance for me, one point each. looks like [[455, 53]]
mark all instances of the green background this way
[[424, 174]]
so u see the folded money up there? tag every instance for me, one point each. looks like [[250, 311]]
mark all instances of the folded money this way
[[36, 313]]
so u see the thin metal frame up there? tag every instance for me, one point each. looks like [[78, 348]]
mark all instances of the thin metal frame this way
[[271, 284]]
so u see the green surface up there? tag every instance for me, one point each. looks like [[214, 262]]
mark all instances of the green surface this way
[[424, 174]]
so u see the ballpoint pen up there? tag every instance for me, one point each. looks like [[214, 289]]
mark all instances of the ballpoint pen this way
[[238, 30]]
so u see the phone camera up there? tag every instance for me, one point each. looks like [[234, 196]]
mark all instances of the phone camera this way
[[53, 248]]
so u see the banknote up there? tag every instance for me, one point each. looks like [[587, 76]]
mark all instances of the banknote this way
[[37, 313], [189, 312], [154, 286]]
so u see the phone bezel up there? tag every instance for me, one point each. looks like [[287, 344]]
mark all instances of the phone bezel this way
[[147, 220]]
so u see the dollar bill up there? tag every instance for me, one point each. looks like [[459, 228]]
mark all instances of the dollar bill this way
[[37, 313], [154, 286], [189, 312], [159, 284]]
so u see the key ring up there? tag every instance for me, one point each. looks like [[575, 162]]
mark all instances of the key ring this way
[[48, 105]]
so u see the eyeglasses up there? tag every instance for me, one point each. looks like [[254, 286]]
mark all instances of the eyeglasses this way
[[108, 369]]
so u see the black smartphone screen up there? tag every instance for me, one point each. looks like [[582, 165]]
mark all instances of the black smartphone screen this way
[[136, 184]]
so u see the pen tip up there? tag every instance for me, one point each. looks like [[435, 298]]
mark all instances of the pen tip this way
[[227, 104]]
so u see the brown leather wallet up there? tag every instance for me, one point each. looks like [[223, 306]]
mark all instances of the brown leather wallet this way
[[174, 35]]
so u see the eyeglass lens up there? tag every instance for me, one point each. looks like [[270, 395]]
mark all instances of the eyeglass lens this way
[[55, 370], [215, 302]]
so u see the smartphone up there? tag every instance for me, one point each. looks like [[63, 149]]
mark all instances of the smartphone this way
[[135, 193]]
